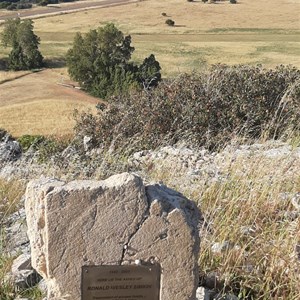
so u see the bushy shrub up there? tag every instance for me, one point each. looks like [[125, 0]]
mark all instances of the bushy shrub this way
[[233, 1], [24, 5], [164, 14], [12, 6], [170, 22], [4, 4], [43, 3], [27, 141], [101, 62], [19, 36], [204, 109]]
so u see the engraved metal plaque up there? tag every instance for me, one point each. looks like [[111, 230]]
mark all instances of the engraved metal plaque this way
[[130, 282]]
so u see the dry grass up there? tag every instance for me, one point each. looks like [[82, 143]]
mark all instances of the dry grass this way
[[205, 34], [36, 104], [10, 75], [10, 196], [249, 206], [11, 193], [145, 17]]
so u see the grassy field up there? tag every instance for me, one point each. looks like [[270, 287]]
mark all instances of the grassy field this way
[[252, 31], [36, 103]]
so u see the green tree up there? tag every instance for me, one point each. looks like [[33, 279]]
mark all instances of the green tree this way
[[97, 58], [149, 72], [100, 62], [19, 35]]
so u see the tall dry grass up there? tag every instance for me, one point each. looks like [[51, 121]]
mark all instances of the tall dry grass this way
[[248, 211]]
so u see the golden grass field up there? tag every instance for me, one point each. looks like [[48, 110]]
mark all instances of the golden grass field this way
[[37, 104], [250, 32]]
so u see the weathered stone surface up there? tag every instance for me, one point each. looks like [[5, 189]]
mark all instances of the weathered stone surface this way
[[9, 149], [169, 236], [111, 222], [15, 231], [22, 274], [22, 262], [80, 223]]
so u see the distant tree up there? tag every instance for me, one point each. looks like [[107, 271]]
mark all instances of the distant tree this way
[[19, 35], [100, 62], [149, 72], [170, 22]]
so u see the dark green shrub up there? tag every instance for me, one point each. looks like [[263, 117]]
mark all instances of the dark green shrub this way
[[27, 141], [101, 62], [12, 6], [19, 36], [205, 109], [164, 14], [233, 1], [50, 148], [4, 4], [43, 3], [24, 5], [170, 22]]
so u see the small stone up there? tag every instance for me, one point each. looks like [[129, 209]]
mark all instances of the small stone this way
[[247, 230], [226, 297], [26, 279], [222, 247], [21, 263], [296, 201]]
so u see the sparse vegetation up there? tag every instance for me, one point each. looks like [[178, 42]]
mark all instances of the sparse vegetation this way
[[10, 195]]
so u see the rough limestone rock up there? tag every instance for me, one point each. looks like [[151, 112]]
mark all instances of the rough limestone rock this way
[[107, 223], [169, 236], [10, 149]]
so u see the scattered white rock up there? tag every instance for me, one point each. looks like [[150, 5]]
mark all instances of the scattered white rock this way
[[220, 247]]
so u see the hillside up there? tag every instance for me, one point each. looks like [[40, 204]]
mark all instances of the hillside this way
[[203, 34], [225, 136], [37, 103]]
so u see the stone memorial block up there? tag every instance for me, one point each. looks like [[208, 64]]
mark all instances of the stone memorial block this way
[[113, 222]]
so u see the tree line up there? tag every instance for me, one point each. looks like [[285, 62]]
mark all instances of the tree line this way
[[100, 60]]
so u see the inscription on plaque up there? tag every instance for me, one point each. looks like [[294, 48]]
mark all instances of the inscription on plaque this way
[[129, 282]]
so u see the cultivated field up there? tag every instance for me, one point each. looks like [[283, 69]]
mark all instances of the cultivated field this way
[[252, 31]]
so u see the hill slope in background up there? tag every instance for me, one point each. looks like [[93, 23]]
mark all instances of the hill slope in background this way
[[37, 103]]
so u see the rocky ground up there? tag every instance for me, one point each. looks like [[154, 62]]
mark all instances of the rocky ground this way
[[194, 166]]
